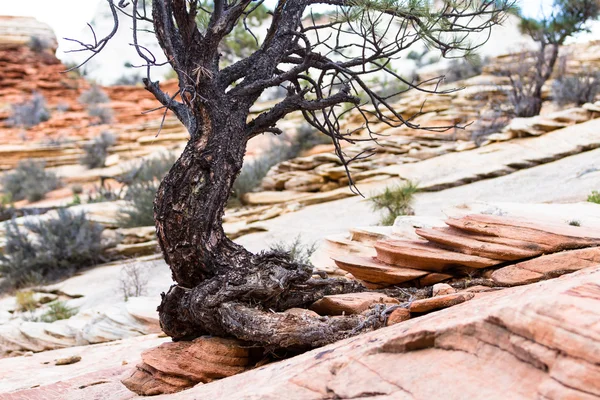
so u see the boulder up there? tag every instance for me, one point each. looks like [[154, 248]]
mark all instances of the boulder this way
[[397, 316]]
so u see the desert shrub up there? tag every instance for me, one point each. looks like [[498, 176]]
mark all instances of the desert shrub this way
[[30, 112], [133, 281], [104, 114], [483, 128], [29, 180], [578, 89], [94, 96], [140, 208], [462, 69], [594, 197], [50, 249], [151, 169], [255, 170], [38, 44], [298, 251], [142, 184], [574, 222], [63, 107], [58, 310], [128, 80], [306, 138], [395, 201], [25, 301], [77, 189], [96, 151]]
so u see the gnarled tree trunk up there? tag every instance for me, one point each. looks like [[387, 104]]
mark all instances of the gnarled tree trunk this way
[[223, 289]]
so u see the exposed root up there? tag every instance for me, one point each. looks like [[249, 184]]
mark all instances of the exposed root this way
[[247, 304]]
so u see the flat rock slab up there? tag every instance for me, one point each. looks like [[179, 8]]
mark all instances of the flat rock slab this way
[[347, 304], [371, 270], [548, 266], [473, 244], [439, 302], [426, 256], [552, 237], [175, 366]]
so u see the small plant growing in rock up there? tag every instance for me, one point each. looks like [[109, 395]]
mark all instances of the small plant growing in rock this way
[[29, 113], [574, 222], [594, 197], [29, 181], [395, 201], [58, 310], [96, 151], [50, 249], [25, 301], [298, 251], [133, 281]]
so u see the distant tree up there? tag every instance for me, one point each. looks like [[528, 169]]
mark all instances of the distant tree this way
[[566, 18], [223, 289]]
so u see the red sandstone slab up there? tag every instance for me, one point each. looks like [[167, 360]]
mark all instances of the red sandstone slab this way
[[351, 303], [548, 266], [470, 244], [371, 270], [427, 256], [553, 237]]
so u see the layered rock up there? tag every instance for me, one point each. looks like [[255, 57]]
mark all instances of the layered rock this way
[[176, 366], [476, 245]]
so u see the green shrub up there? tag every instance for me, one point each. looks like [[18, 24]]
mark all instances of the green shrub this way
[[96, 151], [395, 201], [574, 222], [594, 197], [29, 181], [298, 251], [58, 310], [29, 113], [50, 249]]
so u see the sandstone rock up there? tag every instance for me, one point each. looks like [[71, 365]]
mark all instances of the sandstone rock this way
[[353, 303], [397, 316], [547, 266], [432, 279], [439, 302], [68, 360], [425, 256], [551, 237], [471, 244], [440, 289], [175, 366], [373, 271]]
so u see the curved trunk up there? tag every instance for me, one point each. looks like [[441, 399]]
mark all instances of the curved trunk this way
[[190, 202], [222, 289]]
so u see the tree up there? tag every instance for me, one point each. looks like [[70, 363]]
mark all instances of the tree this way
[[222, 289], [567, 17]]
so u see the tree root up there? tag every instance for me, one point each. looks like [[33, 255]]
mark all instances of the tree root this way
[[247, 304]]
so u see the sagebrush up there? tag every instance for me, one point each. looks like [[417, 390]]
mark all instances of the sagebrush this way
[[96, 151], [298, 251], [50, 249], [30, 112], [29, 180]]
